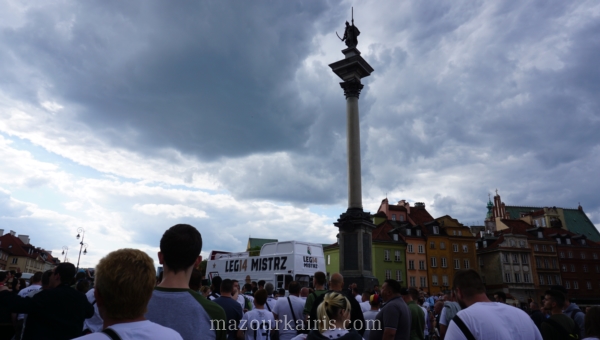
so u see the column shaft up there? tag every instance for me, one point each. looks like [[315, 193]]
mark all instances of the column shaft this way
[[353, 143]]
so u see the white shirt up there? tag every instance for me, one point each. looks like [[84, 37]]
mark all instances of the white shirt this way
[[425, 331], [95, 323], [255, 320], [494, 321], [139, 330], [365, 306], [443, 317], [287, 328], [24, 292]]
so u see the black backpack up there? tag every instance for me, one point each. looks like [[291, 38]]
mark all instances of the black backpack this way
[[562, 331]]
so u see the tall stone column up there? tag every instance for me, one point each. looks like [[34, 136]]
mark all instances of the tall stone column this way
[[355, 225]]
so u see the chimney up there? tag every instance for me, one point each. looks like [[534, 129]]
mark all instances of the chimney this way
[[1, 232], [13, 233], [24, 238]]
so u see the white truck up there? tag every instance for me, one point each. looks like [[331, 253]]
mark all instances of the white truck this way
[[278, 263]]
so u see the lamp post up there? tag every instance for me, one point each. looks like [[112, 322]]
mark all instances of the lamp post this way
[[81, 231], [65, 252]]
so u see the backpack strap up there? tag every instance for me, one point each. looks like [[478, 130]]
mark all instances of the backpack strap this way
[[563, 332], [111, 334], [463, 328], [292, 309]]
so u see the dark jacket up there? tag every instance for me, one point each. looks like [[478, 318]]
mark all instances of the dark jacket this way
[[56, 313], [538, 317], [355, 314], [351, 335]]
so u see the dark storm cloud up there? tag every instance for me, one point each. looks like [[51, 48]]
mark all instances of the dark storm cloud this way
[[211, 79]]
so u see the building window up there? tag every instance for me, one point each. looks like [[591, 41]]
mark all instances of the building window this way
[[562, 254], [418, 232], [434, 280], [583, 241], [524, 259], [401, 218], [505, 257], [422, 265], [567, 284], [507, 277], [582, 255], [423, 281], [558, 240], [595, 256], [460, 233], [399, 275], [411, 264], [395, 236], [409, 248], [445, 280], [564, 268], [436, 229], [433, 262], [14, 260], [552, 249], [542, 279], [408, 232], [465, 248], [328, 259], [538, 262], [466, 263], [512, 243], [431, 245], [517, 278], [386, 256], [536, 248], [589, 285], [549, 279], [393, 217], [540, 235], [570, 254], [526, 278], [413, 281], [546, 263], [572, 267], [455, 248], [597, 268], [557, 279], [568, 240], [554, 264], [397, 255], [421, 249], [544, 248], [442, 245], [575, 284], [388, 274], [444, 263], [515, 258], [522, 244], [457, 263], [585, 268]]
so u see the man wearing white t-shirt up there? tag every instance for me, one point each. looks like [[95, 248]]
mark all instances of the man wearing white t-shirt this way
[[289, 319], [257, 324], [124, 284], [483, 318]]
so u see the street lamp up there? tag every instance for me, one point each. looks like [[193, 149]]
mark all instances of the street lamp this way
[[81, 232], [65, 252]]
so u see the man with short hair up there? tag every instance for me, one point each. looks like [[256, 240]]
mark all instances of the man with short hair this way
[[364, 302], [336, 284], [417, 316], [394, 317], [572, 310], [45, 284], [271, 300], [536, 315], [36, 284], [173, 304], [319, 280], [232, 308], [483, 318], [558, 326], [303, 295], [215, 288], [451, 307], [55, 313], [258, 323], [248, 298], [124, 283], [288, 311]]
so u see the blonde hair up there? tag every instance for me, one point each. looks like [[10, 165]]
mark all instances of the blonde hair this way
[[329, 309], [125, 281]]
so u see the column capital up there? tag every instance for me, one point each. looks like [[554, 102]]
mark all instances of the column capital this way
[[351, 88]]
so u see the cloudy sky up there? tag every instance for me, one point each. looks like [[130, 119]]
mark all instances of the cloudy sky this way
[[125, 118]]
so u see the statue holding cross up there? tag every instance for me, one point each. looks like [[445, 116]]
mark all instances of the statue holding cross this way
[[351, 33]]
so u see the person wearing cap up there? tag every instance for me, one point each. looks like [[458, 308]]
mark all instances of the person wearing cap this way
[[371, 314], [417, 324], [572, 310]]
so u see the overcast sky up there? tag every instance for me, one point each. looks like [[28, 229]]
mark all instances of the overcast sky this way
[[126, 118]]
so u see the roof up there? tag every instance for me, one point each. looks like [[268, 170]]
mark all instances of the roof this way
[[258, 242], [380, 233], [16, 243], [420, 215]]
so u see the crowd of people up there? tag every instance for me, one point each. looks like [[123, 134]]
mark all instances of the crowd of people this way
[[125, 300]]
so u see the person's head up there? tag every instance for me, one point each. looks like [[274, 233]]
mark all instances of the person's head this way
[[195, 280], [336, 282], [261, 284], [467, 286], [82, 286], [319, 279], [390, 289], [280, 292], [11, 274], [534, 305], [63, 274], [376, 288], [16, 285], [226, 286], [553, 300], [347, 23], [269, 288], [375, 301], [564, 292], [294, 288], [304, 292], [334, 308], [79, 276], [180, 248], [365, 296], [500, 296], [437, 307], [254, 284], [205, 290], [236, 285], [46, 278], [260, 297], [592, 322], [216, 284], [124, 284], [247, 288], [36, 279]]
